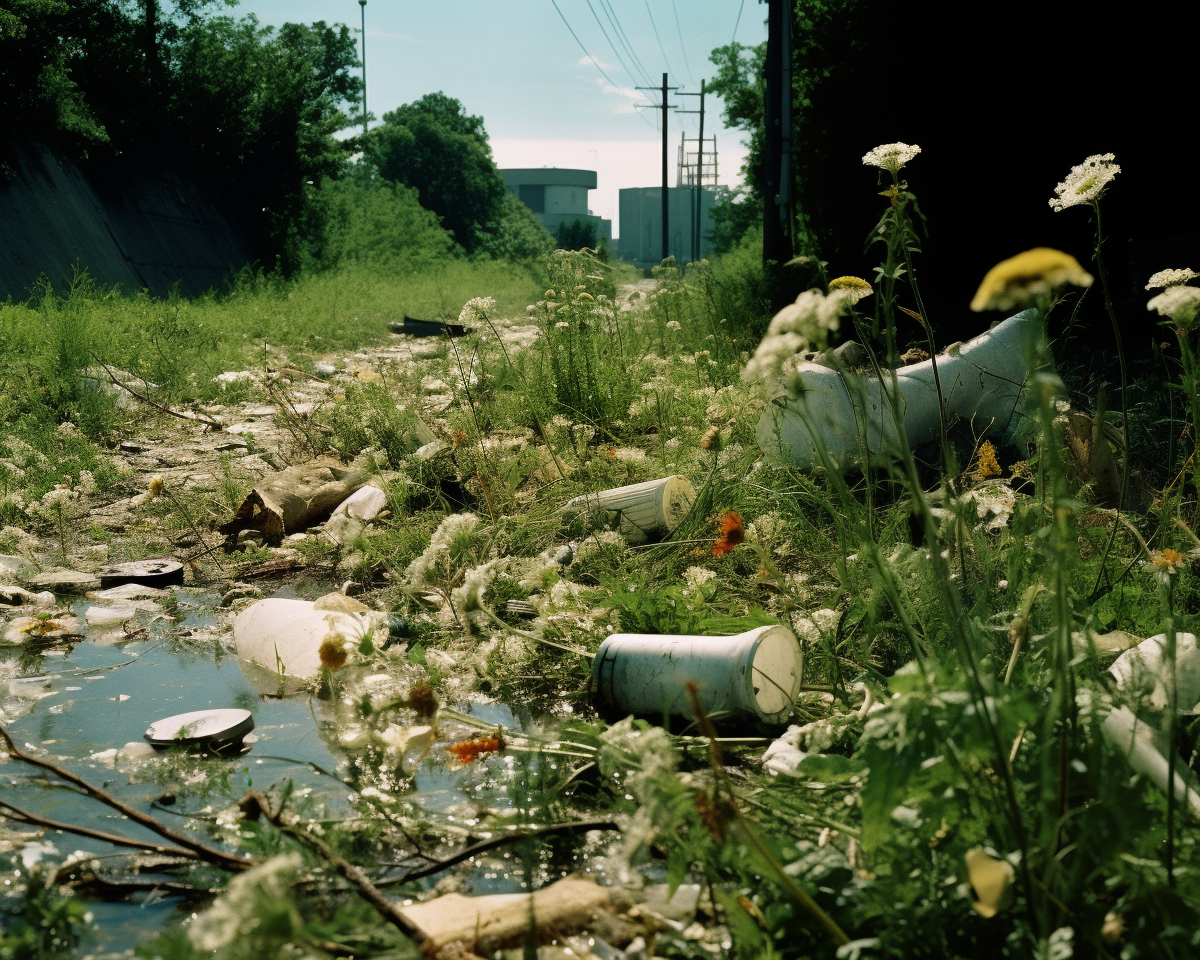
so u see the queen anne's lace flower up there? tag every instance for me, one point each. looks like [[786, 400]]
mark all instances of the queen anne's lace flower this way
[[1086, 182], [890, 156], [798, 326], [450, 528], [1181, 304], [1171, 278], [476, 310]]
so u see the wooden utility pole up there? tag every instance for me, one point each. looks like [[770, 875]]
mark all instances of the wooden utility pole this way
[[698, 182], [666, 242], [363, 5], [778, 134]]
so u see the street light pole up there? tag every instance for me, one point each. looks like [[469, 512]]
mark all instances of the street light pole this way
[[363, 6]]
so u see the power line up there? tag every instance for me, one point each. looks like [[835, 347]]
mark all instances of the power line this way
[[595, 62], [611, 45], [670, 69], [682, 46], [620, 32], [738, 21]]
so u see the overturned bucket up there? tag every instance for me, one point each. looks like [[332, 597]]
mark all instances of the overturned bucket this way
[[749, 676]]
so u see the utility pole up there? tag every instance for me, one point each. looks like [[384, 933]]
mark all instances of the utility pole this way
[[363, 6], [698, 182], [666, 242], [778, 139]]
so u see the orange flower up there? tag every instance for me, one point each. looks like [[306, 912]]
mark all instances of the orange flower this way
[[469, 750], [730, 534]]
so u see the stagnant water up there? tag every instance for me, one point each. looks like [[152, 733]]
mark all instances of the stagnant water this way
[[95, 696]]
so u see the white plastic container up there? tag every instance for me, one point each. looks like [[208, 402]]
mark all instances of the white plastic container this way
[[285, 636], [749, 676], [656, 506]]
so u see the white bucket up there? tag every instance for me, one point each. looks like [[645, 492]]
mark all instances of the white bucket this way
[[752, 675]]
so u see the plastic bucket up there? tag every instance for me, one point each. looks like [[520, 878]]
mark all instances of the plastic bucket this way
[[749, 676]]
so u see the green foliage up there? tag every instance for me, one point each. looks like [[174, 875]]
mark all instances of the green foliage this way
[[42, 924], [515, 234], [577, 235], [435, 147]]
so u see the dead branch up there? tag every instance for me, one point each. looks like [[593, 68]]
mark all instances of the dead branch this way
[[466, 853], [199, 851], [12, 811], [352, 874], [190, 417]]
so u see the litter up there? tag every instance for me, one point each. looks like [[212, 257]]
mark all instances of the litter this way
[[751, 676], [428, 328], [640, 509], [211, 727], [150, 573], [981, 382], [11, 596], [285, 636]]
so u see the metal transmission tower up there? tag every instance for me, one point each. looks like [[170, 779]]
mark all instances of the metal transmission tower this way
[[698, 174], [666, 248]]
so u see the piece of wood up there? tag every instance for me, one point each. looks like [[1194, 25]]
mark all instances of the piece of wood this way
[[484, 924]]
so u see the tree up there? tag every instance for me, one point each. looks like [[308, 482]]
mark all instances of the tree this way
[[435, 147], [577, 235]]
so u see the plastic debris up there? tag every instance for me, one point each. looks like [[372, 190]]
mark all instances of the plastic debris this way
[[150, 573], [208, 727], [751, 676], [640, 510]]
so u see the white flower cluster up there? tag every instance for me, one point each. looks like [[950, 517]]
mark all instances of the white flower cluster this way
[[232, 916], [1181, 304], [453, 526], [696, 577], [1086, 182], [469, 596], [890, 156], [475, 310], [1171, 278], [799, 326]]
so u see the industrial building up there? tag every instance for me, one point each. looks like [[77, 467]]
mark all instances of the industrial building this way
[[558, 197], [641, 224]]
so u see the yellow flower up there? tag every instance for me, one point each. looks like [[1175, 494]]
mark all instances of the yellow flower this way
[[1027, 277], [154, 487], [852, 288], [986, 464]]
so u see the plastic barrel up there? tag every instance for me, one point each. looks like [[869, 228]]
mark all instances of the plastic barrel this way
[[749, 676]]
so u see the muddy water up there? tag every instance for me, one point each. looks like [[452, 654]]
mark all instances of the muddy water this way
[[78, 701]]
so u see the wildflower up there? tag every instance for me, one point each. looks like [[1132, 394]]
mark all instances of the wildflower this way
[[890, 156], [1086, 182], [562, 325], [852, 288], [1181, 304], [332, 652], [234, 914], [470, 750], [986, 465], [422, 699], [1171, 278], [1028, 277], [469, 596], [730, 534], [476, 309], [673, 325], [991, 880], [586, 296], [1164, 564], [550, 294], [455, 525]]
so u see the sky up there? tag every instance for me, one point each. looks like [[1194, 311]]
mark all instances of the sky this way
[[548, 98]]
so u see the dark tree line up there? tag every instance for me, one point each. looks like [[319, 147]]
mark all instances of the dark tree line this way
[[1003, 99]]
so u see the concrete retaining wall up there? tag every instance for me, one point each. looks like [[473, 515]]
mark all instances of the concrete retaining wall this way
[[149, 231]]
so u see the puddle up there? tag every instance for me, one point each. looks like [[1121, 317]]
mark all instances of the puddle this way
[[99, 695]]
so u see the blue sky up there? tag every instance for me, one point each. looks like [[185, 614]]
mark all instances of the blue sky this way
[[543, 100]]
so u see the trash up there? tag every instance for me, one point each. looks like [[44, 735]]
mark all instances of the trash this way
[[981, 382], [294, 499], [749, 676], [118, 384], [784, 754], [149, 573], [1142, 729], [109, 616], [209, 727], [680, 905], [12, 565], [428, 328], [129, 591], [11, 596], [346, 521], [64, 581], [134, 750], [285, 636], [641, 509], [45, 628], [488, 923]]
